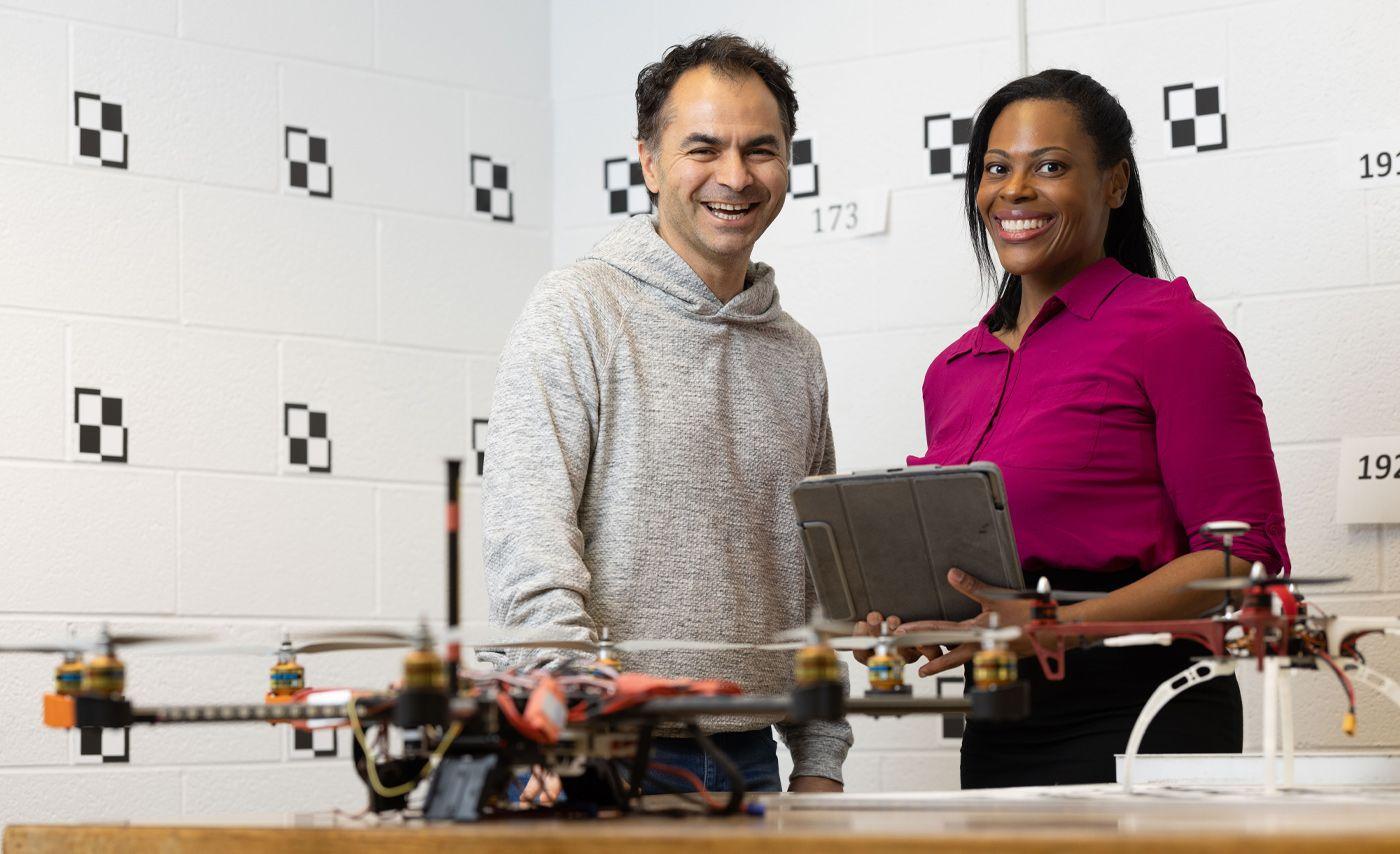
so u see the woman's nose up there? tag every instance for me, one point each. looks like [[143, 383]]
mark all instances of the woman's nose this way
[[1017, 187]]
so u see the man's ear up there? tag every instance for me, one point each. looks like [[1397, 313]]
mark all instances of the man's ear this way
[[648, 162], [1118, 179]]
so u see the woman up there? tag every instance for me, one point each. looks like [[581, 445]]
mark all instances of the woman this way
[[1123, 417]]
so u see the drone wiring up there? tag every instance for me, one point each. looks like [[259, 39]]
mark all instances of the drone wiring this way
[[397, 791], [1348, 722], [688, 776]]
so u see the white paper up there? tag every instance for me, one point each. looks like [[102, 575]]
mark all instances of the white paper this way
[[834, 216], [1370, 159], [1368, 481]]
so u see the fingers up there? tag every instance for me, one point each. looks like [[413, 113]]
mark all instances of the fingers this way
[[956, 657], [965, 584], [543, 787]]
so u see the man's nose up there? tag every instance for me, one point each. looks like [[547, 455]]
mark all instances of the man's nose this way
[[733, 171]]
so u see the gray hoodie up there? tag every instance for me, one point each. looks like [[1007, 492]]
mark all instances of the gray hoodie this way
[[645, 439]]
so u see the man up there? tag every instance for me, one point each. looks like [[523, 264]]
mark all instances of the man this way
[[654, 409]]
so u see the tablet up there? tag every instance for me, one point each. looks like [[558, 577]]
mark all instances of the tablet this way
[[885, 540]]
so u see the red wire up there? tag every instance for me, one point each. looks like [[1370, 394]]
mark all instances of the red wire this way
[[1346, 680], [694, 781]]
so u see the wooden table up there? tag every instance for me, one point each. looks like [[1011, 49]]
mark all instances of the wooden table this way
[[809, 824]]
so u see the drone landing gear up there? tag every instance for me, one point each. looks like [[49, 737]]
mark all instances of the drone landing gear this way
[[1198, 672]]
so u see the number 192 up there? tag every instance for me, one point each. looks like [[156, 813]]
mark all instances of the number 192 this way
[[1383, 467]]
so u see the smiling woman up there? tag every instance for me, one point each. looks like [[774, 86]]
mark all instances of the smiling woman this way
[[1123, 417]]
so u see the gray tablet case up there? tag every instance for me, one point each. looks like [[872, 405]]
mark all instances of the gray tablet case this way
[[885, 540]]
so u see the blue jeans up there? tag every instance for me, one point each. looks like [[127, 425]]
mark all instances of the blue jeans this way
[[753, 751]]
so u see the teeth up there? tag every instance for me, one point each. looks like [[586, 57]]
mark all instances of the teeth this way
[[1023, 224], [727, 212]]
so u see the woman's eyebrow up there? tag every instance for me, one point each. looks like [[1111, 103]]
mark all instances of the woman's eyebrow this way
[[1036, 153]]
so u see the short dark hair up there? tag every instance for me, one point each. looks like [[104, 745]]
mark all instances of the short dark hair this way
[[1130, 240], [727, 54]]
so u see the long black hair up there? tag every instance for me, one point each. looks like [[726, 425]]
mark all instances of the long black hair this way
[[1130, 240]]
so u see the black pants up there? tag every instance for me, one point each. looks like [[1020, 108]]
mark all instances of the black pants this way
[[1078, 724]]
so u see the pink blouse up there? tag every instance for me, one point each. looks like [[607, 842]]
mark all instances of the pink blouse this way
[[1125, 421]]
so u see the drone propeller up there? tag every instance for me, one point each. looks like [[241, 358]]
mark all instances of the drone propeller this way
[[1043, 591], [946, 637], [103, 642], [634, 645], [1259, 577], [818, 629], [264, 650], [1238, 583]]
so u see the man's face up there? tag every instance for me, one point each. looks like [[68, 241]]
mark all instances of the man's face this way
[[720, 167]]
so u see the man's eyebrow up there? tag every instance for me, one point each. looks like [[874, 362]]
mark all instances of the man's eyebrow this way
[[1036, 153], [767, 139]]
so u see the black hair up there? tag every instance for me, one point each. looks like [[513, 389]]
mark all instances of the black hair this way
[[727, 54], [1130, 240]]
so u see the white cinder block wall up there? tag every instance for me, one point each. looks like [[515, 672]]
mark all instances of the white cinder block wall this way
[[206, 293], [1302, 266], [197, 285]]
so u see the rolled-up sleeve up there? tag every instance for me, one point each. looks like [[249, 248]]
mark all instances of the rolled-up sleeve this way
[[1212, 438]]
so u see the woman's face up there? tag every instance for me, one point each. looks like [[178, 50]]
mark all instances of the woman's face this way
[[1044, 199]]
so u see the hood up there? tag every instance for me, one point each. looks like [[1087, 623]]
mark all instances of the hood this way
[[637, 250]]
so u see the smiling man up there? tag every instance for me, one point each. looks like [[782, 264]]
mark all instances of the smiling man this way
[[653, 410]]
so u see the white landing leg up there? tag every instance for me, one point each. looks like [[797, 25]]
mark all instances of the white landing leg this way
[[1200, 671], [1285, 712], [1270, 722]]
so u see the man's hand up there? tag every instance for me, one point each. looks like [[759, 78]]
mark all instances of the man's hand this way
[[543, 788], [814, 784]]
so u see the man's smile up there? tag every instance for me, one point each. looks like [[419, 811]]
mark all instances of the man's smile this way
[[730, 212]]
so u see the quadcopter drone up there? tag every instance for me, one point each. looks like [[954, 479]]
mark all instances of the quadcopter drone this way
[[1273, 625], [471, 734]]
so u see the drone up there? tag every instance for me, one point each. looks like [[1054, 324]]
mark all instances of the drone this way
[[469, 734], [1274, 626]]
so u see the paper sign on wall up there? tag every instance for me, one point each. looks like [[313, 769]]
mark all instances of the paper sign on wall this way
[[1368, 481], [1370, 159], [838, 216]]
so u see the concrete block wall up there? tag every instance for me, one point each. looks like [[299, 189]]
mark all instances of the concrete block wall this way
[[197, 285], [1299, 262]]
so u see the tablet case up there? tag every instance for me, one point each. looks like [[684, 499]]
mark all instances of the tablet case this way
[[885, 540]]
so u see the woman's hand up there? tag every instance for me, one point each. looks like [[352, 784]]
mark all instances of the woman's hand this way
[[1010, 612]]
